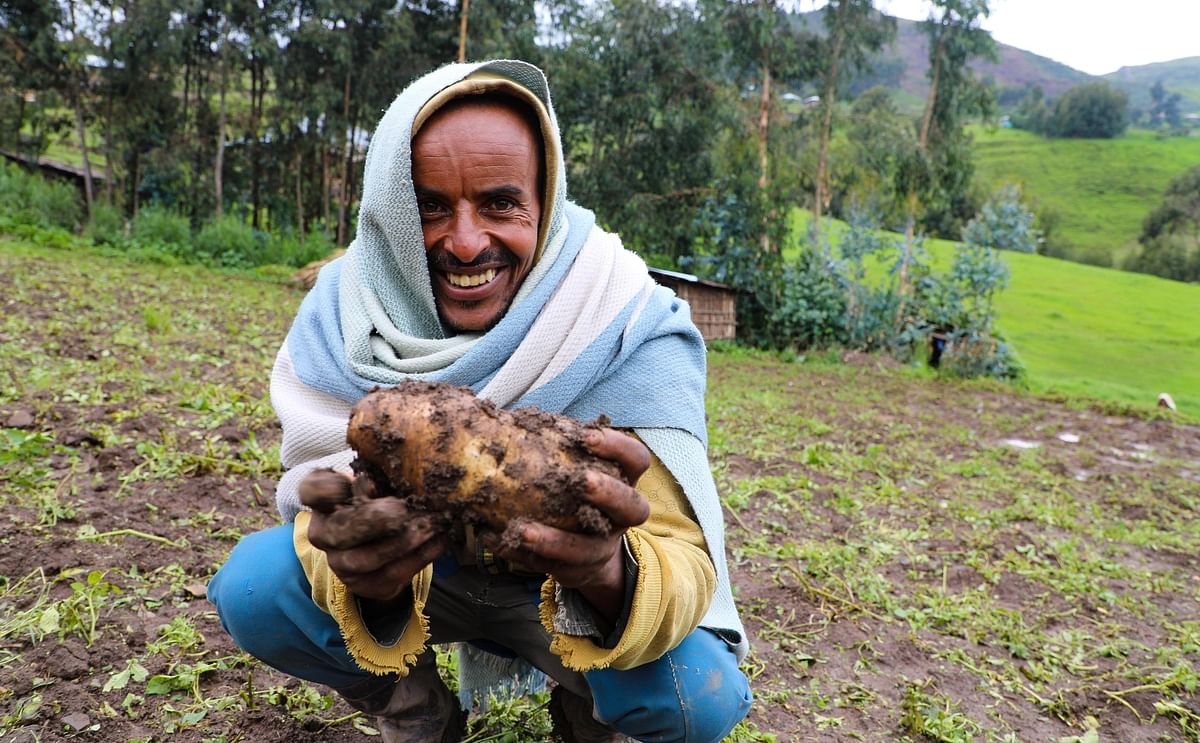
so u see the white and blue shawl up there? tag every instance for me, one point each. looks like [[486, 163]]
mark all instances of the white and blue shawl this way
[[588, 332]]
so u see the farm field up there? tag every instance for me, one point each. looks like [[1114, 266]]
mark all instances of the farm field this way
[[915, 559], [1100, 189]]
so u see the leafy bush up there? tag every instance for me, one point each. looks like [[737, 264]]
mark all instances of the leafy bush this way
[[229, 241], [107, 226], [1170, 239], [1095, 110], [158, 228], [288, 250], [824, 297], [30, 199], [1004, 223]]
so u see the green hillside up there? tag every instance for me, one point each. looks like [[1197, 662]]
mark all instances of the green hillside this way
[[1100, 189], [1178, 76], [1094, 332]]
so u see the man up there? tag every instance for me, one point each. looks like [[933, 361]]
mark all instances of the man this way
[[470, 266]]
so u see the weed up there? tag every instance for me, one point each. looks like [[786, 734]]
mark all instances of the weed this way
[[934, 716]]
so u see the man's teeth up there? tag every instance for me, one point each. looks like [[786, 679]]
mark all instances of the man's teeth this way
[[463, 279]]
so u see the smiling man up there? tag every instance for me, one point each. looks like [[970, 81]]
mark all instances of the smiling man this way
[[470, 266]]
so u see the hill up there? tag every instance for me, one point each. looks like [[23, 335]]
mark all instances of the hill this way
[[913, 558], [902, 66], [1178, 76], [1099, 190]]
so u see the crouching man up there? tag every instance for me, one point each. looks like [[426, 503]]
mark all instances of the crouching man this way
[[470, 266]]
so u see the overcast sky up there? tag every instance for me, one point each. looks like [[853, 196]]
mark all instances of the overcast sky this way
[[1096, 36]]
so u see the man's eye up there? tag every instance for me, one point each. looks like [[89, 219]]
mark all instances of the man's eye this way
[[504, 204], [428, 207]]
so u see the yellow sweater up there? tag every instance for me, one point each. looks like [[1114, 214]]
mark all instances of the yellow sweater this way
[[675, 584]]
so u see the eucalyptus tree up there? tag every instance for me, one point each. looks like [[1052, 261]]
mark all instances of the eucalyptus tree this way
[[955, 39], [855, 30], [643, 105]]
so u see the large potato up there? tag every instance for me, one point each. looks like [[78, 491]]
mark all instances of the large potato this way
[[446, 451]]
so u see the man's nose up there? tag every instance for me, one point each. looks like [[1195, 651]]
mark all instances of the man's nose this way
[[467, 238]]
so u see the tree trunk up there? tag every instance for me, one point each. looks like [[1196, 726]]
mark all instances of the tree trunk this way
[[326, 186], [923, 145], [828, 95], [134, 176], [764, 157], [298, 168], [108, 115], [219, 164], [257, 84], [347, 150], [927, 119], [77, 97], [464, 11], [764, 124], [88, 192]]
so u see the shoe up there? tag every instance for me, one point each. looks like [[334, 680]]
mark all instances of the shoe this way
[[417, 708], [573, 722]]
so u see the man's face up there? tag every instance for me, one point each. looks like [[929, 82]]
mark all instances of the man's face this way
[[475, 169]]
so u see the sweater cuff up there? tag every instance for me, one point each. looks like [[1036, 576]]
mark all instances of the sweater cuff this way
[[577, 617], [583, 653], [368, 652]]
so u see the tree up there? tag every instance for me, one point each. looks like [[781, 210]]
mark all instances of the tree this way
[[770, 50], [1170, 239], [1004, 223], [855, 31], [1164, 108], [1032, 113], [938, 175], [642, 113], [1092, 110]]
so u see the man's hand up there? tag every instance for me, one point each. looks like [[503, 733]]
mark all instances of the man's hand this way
[[592, 564], [374, 545]]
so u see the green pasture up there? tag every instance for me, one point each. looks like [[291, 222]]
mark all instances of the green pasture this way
[[1086, 331], [1099, 189]]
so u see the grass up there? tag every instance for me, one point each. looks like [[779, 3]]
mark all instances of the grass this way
[[1087, 331], [1100, 189]]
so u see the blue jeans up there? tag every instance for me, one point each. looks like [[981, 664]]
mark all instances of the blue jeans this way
[[692, 693]]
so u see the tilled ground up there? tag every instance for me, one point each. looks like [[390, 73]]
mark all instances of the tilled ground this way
[[914, 558]]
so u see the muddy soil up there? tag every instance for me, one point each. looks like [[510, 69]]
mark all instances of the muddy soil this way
[[152, 455]]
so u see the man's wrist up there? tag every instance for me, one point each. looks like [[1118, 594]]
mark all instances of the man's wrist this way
[[386, 620]]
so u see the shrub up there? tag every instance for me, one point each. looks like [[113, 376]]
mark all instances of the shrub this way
[[158, 228], [229, 241], [107, 226], [287, 249], [1004, 223], [28, 198], [1096, 110]]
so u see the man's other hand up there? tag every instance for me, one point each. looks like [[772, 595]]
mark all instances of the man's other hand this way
[[592, 564], [374, 545]]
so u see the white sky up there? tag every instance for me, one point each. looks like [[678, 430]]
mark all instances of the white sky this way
[[1096, 36]]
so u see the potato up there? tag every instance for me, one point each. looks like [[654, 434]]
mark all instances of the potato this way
[[450, 453]]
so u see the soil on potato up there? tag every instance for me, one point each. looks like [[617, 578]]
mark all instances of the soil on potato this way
[[135, 470]]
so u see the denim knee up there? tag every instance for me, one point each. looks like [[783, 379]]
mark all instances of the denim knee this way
[[693, 694], [265, 603]]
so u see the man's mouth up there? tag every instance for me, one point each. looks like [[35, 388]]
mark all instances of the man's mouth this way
[[467, 280]]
